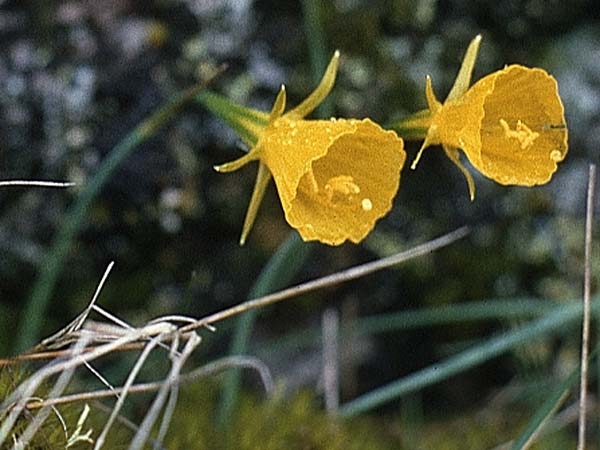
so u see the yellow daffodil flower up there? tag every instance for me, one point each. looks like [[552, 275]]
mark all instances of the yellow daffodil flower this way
[[510, 124], [335, 178]]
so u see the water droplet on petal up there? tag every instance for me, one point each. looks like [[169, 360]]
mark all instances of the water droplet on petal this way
[[366, 204], [556, 155]]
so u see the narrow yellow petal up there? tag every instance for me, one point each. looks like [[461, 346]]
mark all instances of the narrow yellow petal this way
[[321, 91], [238, 163], [432, 101], [278, 106], [463, 79], [426, 143], [452, 153], [262, 180], [434, 107]]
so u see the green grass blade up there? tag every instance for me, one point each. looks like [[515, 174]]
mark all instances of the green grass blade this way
[[546, 411], [37, 304], [458, 313], [555, 322], [490, 309]]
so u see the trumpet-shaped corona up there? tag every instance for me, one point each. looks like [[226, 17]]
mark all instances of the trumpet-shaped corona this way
[[510, 124], [335, 178]]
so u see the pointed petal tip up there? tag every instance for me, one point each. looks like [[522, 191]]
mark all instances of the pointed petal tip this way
[[463, 78], [320, 92], [236, 164], [225, 167], [425, 144], [279, 105], [471, 186], [432, 101], [428, 83]]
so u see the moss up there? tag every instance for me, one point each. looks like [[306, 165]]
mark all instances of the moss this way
[[55, 431], [496, 428], [294, 423]]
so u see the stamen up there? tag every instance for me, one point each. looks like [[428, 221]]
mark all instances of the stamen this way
[[312, 180], [522, 133], [343, 185]]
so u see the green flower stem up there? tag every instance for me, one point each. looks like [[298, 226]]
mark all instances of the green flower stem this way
[[292, 254], [280, 269], [413, 127], [246, 122], [278, 273], [557, 321], [37, 304], [319, 55]]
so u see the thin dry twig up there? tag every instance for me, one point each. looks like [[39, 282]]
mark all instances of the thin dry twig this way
[[65, 352], [54, 367], [17, 400], [56, 184], [585, 333], [229, 362], [330, 331], [74, 330], [173, 388], [121, 419], [58, 388], [331, 280], [58, 338], [143, 433], [121, 398], [93, 340]]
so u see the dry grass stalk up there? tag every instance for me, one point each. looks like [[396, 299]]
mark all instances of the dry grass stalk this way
[[587, 283], [30, 183], [84, 340]]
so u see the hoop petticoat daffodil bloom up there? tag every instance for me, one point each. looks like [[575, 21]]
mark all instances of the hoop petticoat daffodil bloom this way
[[335, 178], [510, 124]]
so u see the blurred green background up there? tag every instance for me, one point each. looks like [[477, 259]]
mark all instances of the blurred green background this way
[[77, 76]]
